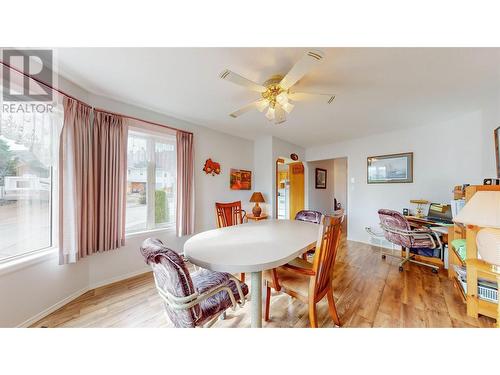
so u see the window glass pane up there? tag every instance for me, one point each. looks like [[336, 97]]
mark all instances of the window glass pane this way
[[137, 168], [28, 156], [165, 184]]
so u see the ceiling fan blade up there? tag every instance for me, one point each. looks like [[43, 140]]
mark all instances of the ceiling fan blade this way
[[258, 104], [242, 81], [301, 67], [298, 96], [279, 114]]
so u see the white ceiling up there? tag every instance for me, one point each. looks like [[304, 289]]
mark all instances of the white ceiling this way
[[378, 89]]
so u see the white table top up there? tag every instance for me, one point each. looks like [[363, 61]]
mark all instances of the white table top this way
[[251, 247]]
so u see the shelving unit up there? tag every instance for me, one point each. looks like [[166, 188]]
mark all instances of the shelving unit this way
[[476, 268]]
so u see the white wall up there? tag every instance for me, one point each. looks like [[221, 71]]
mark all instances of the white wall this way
[[263, 170], [320, 199], [445, 154], [31, 289], [340, 181]]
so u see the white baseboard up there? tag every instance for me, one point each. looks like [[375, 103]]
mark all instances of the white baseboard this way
[[77, 294]]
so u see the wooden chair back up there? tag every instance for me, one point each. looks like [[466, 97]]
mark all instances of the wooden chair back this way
[[326, 251], [228, 214]]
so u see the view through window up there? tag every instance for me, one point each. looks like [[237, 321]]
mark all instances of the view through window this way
[[28, 157], [151, 181]]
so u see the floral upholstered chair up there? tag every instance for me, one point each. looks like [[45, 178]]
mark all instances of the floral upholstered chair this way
[[398, 231], [309, 216], [191, 300]]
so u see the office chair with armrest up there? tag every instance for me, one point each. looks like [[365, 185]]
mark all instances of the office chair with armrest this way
[[398, 231]]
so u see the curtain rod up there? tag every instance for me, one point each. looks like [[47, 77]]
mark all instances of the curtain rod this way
[[140, 119], [86, 104]]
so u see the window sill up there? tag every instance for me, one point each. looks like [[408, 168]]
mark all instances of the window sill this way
[[9, 266], [28, 260], [168, 230]]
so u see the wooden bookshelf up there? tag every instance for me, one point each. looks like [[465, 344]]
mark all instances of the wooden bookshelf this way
[[477, 268]]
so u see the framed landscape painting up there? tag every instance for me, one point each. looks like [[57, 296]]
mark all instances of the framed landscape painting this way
[[395, 168], [240, 179]]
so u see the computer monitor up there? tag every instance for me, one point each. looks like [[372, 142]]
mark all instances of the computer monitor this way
[[440, 212]]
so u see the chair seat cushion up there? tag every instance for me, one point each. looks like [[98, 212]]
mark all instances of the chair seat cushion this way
[[290, 280], [203, 281]]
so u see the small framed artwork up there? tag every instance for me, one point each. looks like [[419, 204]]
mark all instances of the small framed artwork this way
[[394, 168], [497, 149], [320, 178], [240, 179]]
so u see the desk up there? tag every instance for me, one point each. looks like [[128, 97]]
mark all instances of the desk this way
[[417, 222], [423, 222], [252, 247]]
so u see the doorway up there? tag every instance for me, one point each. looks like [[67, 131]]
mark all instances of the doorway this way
[[327, 187], [290, 194]]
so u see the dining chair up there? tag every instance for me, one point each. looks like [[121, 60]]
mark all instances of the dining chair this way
[[309, 216], [310, 282], [191, 300], [229, 214]]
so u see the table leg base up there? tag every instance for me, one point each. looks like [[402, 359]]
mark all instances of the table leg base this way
[[256, 295]]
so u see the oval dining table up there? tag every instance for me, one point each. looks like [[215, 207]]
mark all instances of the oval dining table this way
[[251, 247]]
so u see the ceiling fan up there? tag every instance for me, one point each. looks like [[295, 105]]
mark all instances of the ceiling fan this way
[[276, 92]]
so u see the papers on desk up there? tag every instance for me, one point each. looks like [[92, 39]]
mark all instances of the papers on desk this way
[[456, 206], [442, 230]]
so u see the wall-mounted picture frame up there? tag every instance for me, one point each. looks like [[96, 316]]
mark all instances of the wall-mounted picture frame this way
[[393, 168], [320, 178], [240, 179], [496, 134]]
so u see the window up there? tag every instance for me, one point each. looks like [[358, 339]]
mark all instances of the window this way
[[28, 162], [151, 181]]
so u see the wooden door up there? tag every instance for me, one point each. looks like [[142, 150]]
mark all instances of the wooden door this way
[[296, 175]]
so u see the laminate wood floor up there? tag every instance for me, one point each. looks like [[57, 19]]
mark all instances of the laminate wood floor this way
[[369, 292]]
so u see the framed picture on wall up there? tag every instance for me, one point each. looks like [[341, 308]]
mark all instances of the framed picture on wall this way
[[394, 168], [497, 149], [320, 178], [240, 179]]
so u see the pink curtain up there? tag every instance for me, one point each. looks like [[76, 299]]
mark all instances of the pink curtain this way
[[110, 161], [92, 177], [185, 184], [76, 184]]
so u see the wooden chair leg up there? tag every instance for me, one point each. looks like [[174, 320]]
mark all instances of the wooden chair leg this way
[[331, 308], [268, 303], [313, 318], [242, 277]]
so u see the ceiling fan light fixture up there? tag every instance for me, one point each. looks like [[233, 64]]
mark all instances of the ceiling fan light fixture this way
[[262, 105], [288, 107], [270, 114], [282, 98]]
